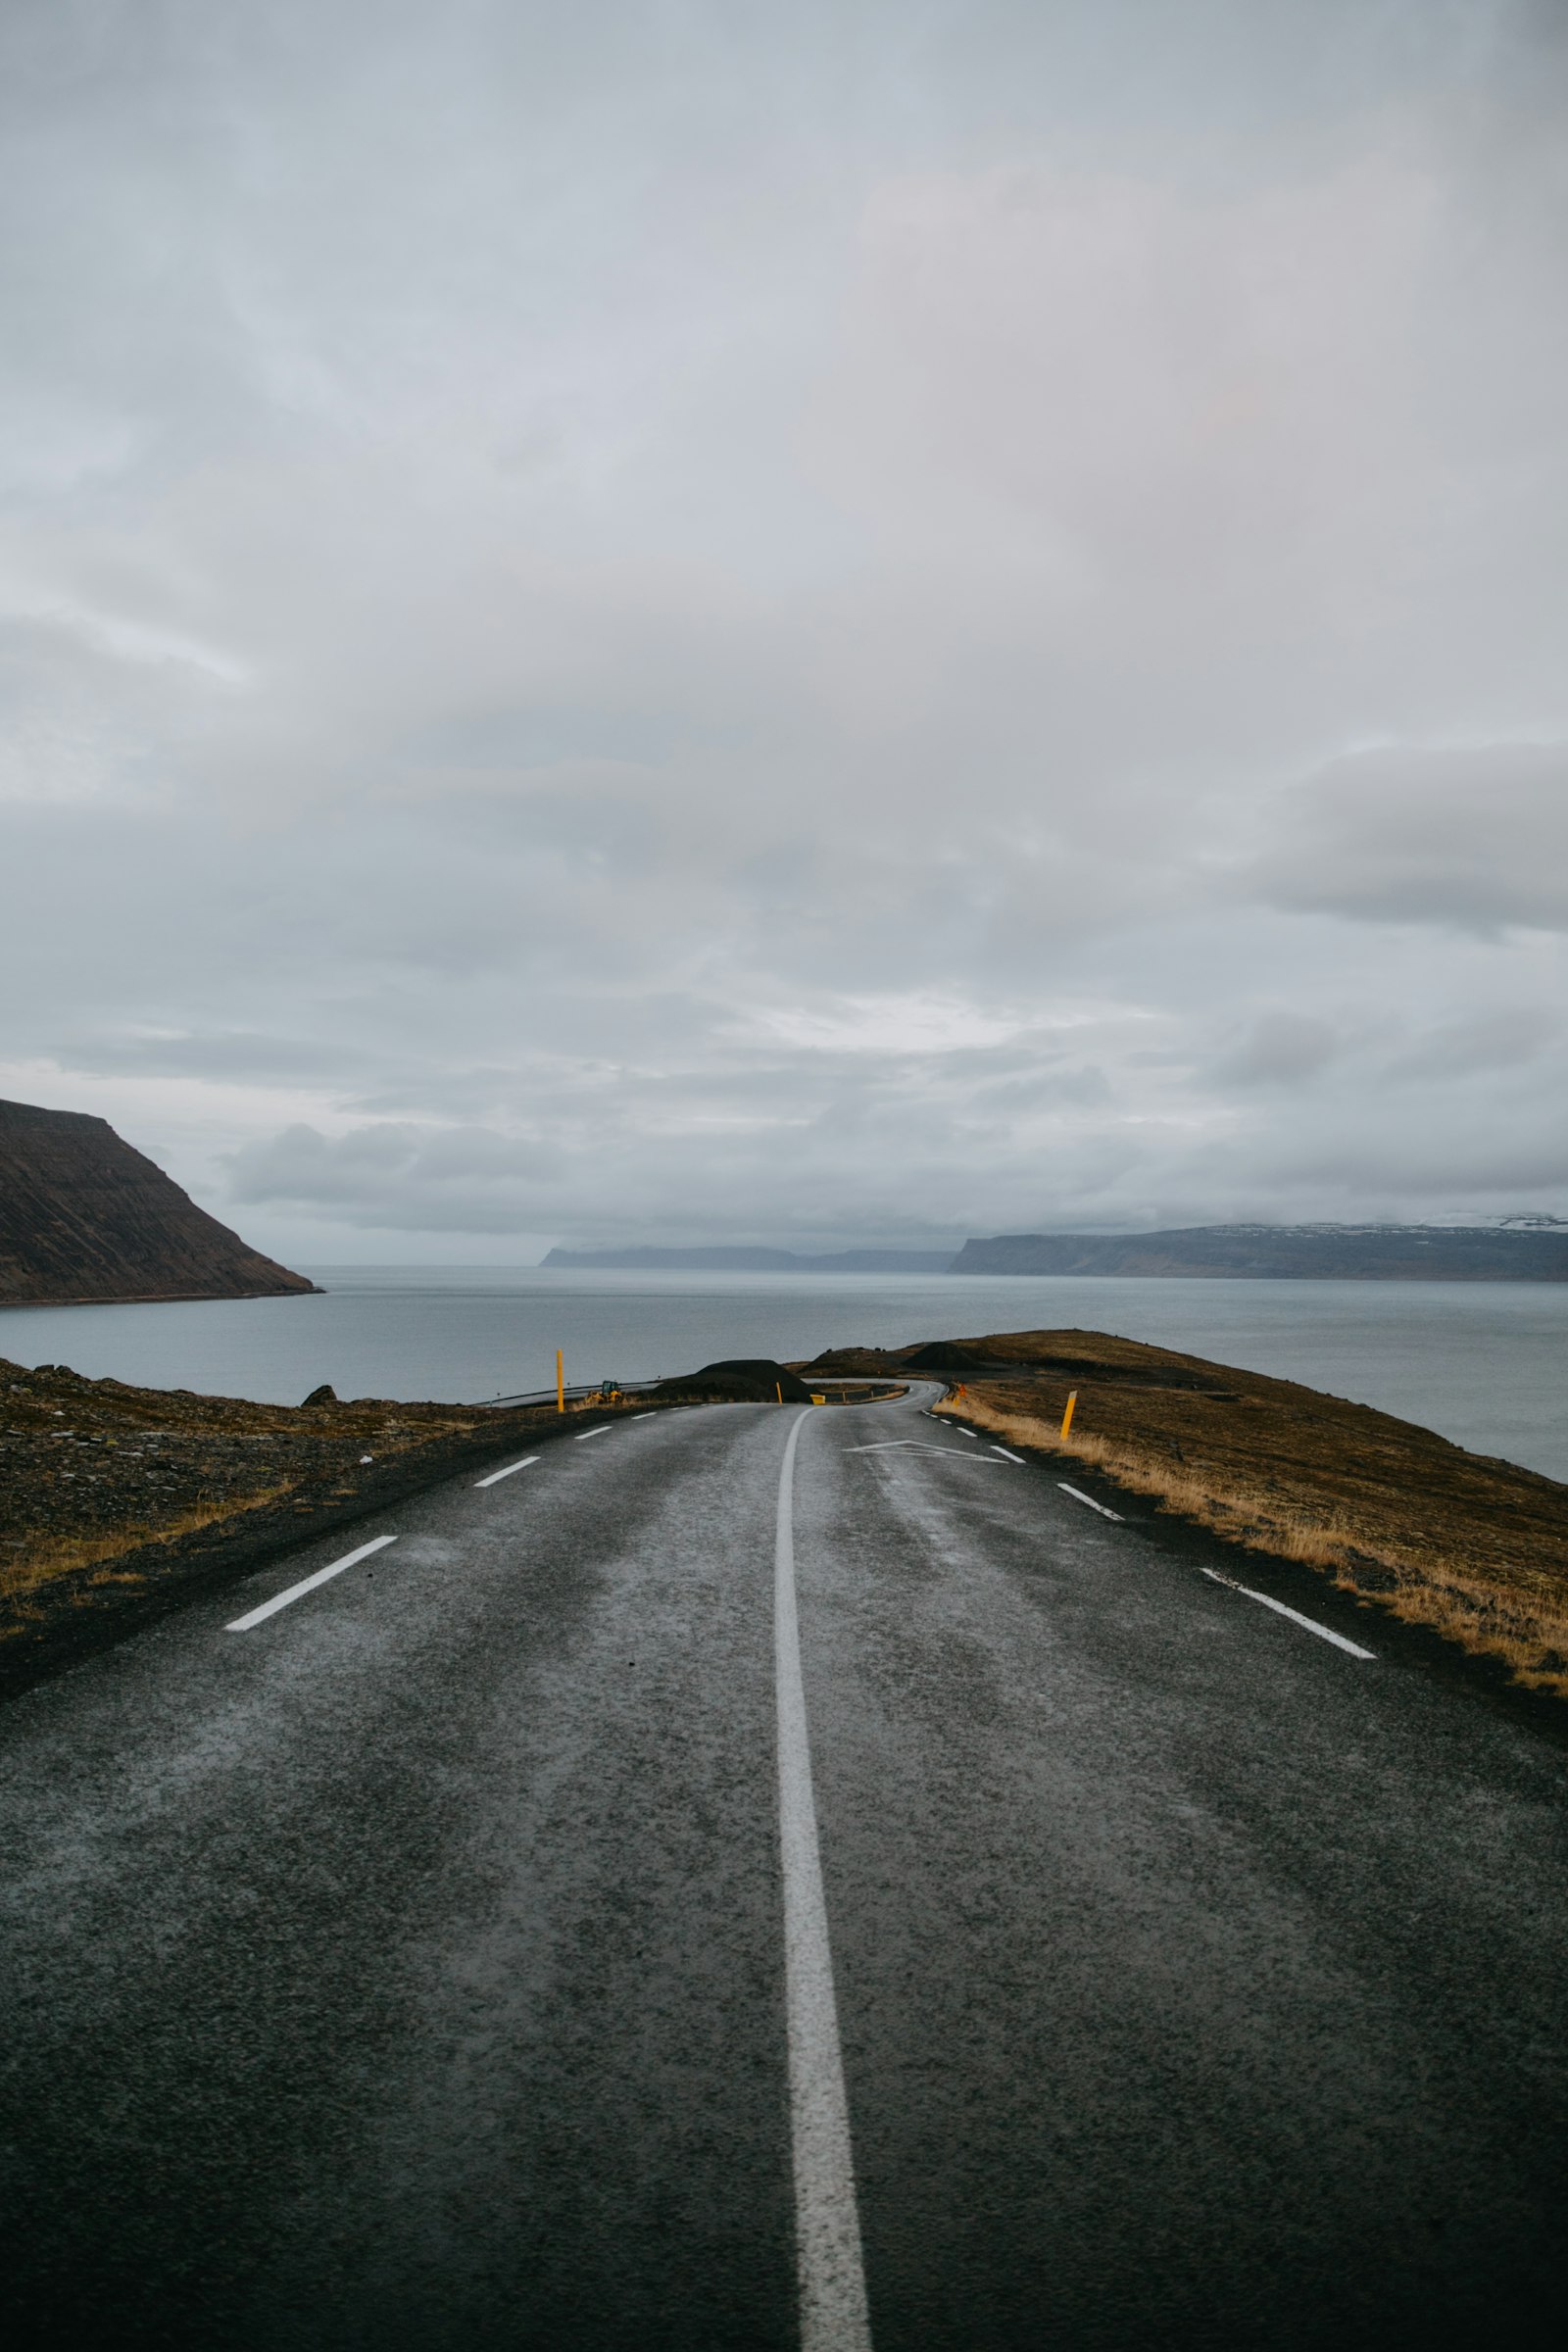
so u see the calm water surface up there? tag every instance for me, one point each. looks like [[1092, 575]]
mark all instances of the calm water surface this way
[[1483, 1362]]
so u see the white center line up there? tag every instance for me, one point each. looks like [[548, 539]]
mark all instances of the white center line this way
[[280, 1600], [827, 2227], [592, 1433], [495, 1476], [1006, 1456], [1308, 1625], [1100, 1507]]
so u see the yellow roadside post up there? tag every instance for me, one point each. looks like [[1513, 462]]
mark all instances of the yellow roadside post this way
[[1066, 1418], [561, 1383], [779, 1390]]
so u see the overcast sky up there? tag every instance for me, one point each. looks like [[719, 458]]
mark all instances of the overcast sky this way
[[864, 622]]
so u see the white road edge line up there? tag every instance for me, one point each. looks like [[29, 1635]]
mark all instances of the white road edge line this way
[[829, 2265], [1006, 1456], [592, 1433], [1308, 1625], [495, 1476], [280, 1600], [1102, 1508]]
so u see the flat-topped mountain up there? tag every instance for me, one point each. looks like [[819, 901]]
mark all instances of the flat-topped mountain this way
[[82, 1216], [1533, 1249], [1321, 1253]]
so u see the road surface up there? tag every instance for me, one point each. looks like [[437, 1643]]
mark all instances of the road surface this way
[[503, 1945]]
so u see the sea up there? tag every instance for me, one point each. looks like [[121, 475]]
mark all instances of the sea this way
[[1483, 1363]]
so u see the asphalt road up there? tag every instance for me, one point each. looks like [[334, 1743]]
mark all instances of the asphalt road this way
[[498, 1946]]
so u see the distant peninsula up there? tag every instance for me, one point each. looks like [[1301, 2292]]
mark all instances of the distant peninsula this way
[[1530, 1250], [1534, 1252], [759, 1261], [86, 1218]]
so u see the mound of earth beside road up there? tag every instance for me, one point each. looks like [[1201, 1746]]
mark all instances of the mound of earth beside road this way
[[1474, 1548], [737, 1380], [114, 1499]]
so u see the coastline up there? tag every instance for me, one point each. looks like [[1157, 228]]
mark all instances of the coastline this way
[[123, 1501]]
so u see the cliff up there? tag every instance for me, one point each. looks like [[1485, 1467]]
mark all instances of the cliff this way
[[1316, 1252], [82, 1216]]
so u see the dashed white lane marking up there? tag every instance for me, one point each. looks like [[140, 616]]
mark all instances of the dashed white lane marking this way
[[495, 1476], [962, 1432], [828, 2229], [592, 1433], [645, 1416], [280, 1600], [1102, 1508], [1308, 1624], [1006, 1456]]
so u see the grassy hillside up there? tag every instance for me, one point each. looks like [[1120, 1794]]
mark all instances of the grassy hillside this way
[[1470, 1545]]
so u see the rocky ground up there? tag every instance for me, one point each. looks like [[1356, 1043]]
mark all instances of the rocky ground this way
[[113, 1498], [1474, 1548]]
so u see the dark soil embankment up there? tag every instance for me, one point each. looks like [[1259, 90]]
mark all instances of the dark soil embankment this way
[[1474, 1548], [737, 1380], [114, 1501]]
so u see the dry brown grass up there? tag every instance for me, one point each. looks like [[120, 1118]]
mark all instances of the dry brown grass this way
[[1493, 1607], [94, 1471], [42, 1558]]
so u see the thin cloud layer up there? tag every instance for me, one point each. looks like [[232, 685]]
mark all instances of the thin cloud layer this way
[[915, 623]]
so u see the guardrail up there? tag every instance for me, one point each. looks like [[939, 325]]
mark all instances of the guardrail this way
[[574, 1390], [836, 1390]]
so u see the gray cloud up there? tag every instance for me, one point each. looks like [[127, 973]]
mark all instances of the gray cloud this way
[[390, 1176], [1280, 1048], [634, 624], [1474, 838], [1488, 1043]]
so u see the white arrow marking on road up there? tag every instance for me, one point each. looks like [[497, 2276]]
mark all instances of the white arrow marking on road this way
[[280, 1600], [1308, 1625], [1104, 1509], [495, 1476], [896, 1444], [828, 2261]]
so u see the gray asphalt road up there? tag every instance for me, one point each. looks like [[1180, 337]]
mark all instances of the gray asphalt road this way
[[409, 1969]]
